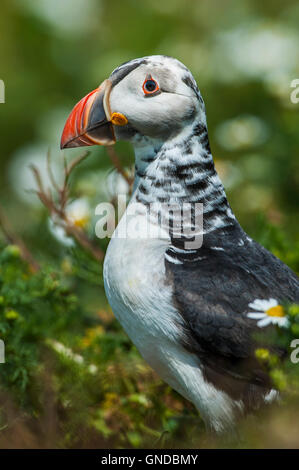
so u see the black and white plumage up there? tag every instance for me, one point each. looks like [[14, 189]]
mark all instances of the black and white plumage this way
[[186, 309]]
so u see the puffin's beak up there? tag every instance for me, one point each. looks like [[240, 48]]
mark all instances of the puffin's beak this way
[[91, 121]]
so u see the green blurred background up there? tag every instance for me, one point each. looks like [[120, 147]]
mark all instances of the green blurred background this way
[[244, 56]]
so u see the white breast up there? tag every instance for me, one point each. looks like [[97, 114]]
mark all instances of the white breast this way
[[140, 297], [136, 286]]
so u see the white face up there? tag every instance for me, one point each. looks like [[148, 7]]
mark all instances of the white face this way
[[158, 98]]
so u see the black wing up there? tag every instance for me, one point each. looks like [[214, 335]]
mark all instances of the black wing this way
[[212, 290]]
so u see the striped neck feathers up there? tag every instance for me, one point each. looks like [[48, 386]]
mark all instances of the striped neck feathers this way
[[181, 170]]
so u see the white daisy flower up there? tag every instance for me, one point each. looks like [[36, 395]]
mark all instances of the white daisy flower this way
[[268, 312], [78, 212]]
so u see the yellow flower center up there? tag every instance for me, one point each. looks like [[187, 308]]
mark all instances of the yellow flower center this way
[[275, 311], [81, 222]]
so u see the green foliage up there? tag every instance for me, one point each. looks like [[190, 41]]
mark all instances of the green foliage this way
[[99, 382], [276, 240], [284, 372], [83, 370], [33, 307]]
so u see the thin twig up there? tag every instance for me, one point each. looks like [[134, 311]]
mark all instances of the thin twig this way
[[37, 177], [50, 172], [56, 206], [84, 241], [75, 163]]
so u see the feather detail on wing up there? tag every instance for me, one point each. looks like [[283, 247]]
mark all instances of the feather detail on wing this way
[[212, 289]]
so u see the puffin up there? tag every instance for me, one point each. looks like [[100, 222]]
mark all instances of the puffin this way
[[188, 285]]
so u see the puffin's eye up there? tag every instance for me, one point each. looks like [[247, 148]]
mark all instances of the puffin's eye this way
[[150, 86]]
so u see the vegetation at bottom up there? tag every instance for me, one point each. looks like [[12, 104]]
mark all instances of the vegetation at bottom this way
[[72, 377]]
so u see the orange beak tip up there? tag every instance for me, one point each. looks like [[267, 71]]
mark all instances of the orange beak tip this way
[[90, 122]]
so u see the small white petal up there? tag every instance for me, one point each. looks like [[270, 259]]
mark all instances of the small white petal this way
[[258, 304], [255, 304], [256, 315], [60, 234], [275, 320], [272, 303], [262, 304], [282, 321], [264, 322]]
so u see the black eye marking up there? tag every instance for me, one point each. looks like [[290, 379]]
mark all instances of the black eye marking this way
[[150, 86], [124, 69], [187, 80]]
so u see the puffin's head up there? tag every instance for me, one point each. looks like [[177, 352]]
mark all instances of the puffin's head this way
[[154, 96]]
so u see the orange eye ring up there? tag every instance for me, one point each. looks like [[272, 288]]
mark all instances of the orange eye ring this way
[[150, 86]]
